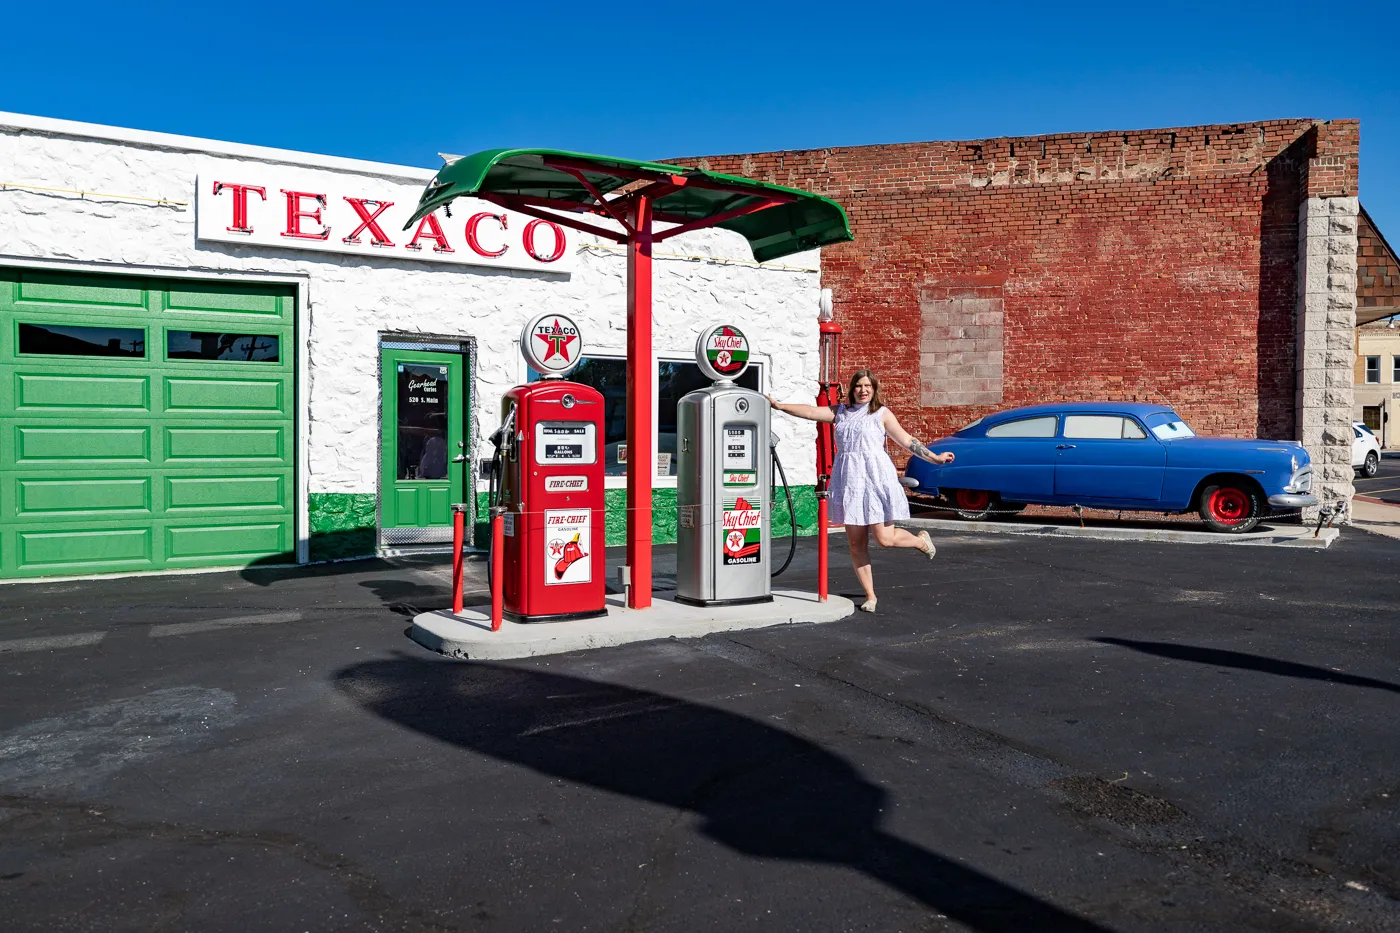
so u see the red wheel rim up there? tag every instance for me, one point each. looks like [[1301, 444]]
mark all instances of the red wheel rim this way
[[973, 500], [1229, 506]]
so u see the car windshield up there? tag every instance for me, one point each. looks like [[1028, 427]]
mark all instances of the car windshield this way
[[968, 427], [1168, 426]]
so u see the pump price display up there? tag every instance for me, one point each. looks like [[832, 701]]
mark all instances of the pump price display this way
[[570, 442], [739, 448]]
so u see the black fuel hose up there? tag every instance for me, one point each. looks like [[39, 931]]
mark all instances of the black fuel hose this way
[[792, 516]]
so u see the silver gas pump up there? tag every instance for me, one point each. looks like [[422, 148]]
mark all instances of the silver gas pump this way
[[724, 480]]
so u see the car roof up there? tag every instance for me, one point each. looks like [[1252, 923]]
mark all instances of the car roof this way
[[1139, 409]]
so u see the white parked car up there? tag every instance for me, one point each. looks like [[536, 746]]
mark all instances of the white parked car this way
[[1365, 450]]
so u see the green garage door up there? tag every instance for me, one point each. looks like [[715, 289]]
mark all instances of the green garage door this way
[[145, 424]]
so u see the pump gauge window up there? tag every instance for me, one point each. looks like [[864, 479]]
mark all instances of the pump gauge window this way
[[739, 448], [565, 442]]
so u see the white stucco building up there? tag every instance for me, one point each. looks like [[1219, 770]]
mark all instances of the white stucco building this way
[[198, 338]]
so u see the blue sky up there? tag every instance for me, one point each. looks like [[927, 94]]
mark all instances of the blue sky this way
[[402, 82]]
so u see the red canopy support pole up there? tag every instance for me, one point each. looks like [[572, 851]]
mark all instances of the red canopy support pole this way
[[641, 375]]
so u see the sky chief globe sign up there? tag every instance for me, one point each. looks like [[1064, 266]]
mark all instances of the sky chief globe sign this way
[[551, 344], [722, 351]]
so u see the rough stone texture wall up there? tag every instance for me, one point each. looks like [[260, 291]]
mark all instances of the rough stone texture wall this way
[[1377, 272], [960, 346], [1157, 265], [1326, 331], [352, 300]]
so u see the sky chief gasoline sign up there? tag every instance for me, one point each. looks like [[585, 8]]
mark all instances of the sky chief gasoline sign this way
[[253, 205]]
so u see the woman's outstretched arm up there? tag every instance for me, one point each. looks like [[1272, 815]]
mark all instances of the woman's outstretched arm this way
[[910, 443], [810, 412]]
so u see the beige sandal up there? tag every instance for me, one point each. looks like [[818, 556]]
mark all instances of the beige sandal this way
[[868, 605], [930, 550]]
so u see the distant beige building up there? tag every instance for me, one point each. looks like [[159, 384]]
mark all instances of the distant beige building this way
[[1378, 333]]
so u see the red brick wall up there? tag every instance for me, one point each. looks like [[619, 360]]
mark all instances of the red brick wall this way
[[1151, 265]]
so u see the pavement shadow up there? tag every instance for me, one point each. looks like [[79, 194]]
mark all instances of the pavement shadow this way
[[760, 790], [1218, 657]]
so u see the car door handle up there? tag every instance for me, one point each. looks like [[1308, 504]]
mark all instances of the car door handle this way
[[1064, 446], [459, 458]]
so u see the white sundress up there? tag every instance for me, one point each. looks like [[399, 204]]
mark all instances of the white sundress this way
[[865, 488]]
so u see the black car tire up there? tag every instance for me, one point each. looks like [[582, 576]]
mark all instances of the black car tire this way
[[973, 505], [1372, 465], [1232, 508]]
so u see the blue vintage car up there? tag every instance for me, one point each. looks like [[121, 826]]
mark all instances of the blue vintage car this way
[[1116, 455]]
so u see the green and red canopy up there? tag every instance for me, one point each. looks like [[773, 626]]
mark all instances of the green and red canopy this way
[[776, 220]]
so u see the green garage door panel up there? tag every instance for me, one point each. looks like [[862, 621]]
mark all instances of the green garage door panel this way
[[141, 431], [80, 393], [45, 497]]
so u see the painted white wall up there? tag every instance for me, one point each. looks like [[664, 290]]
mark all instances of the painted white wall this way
[[351, 300]]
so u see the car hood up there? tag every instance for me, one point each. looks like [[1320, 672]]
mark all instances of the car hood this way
[[1196, 450]]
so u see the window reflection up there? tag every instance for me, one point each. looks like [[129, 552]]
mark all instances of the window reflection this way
[[422, 421], [64, 340], [673, 381], [210, 345]]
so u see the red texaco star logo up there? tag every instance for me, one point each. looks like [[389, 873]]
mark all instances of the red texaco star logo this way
[[557, 341]]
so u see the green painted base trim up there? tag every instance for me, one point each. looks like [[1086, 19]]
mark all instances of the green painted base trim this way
[[663, 515], [342, 525]]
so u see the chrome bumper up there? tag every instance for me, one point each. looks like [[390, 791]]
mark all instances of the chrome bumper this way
[[1293, 500]]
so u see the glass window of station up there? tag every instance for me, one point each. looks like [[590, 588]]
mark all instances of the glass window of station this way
[[674, 379]]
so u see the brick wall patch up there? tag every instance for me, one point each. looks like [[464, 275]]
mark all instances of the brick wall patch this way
[[960, 346]]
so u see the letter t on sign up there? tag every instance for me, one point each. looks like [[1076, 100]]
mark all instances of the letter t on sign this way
[[240, 204], [295, 213]]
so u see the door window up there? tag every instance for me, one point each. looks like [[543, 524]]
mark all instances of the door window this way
[[66, 340], [1102, 427], [1043, 426], [422, 421], [211, 345]]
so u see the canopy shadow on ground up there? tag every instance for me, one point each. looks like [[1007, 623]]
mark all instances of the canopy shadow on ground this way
[[1219, 657], [760, 790]]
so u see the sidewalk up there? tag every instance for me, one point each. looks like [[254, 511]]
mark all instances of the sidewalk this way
[[1375, 516]]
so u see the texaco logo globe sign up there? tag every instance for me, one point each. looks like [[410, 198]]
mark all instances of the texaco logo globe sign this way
[[551, 344], [722, 351]]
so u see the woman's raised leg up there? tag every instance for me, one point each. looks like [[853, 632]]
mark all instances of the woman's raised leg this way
[[889, 535]]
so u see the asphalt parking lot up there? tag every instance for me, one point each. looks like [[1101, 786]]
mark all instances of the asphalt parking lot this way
[[1385, 485], [1030, 735]]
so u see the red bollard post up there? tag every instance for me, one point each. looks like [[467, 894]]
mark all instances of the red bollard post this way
[[822, 536], [459, 528], [498, 568]]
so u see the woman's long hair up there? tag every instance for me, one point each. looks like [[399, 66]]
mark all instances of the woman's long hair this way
[[875, 402]]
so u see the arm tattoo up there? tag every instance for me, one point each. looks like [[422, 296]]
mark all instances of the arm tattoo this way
[[917, 448]]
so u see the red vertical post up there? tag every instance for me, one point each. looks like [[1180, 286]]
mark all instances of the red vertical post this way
[[821, 546], [498, 568], [641, 376], [459, 526]]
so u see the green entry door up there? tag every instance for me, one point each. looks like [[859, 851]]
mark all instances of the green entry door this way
[[145, 424], [423, 463]]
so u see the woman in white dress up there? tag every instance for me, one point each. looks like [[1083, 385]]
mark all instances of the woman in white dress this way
[[865, 493]]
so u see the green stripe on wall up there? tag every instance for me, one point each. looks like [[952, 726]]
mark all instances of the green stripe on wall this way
[[343, 524]]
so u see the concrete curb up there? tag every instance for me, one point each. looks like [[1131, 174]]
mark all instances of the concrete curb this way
[[1292, 536], [469, 634]]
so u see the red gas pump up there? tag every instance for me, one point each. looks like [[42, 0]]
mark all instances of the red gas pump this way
[[551, 485]]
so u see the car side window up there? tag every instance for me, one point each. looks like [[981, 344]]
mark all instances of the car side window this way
[[1357, 430], [1042, 426], [1102, 427]]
